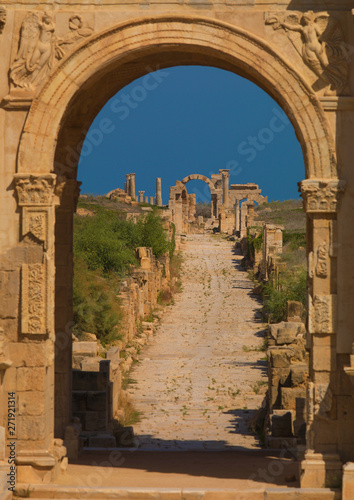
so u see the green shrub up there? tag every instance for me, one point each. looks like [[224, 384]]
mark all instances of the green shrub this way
[[294, 239], [290, 287], [153, 234], [96, 306]]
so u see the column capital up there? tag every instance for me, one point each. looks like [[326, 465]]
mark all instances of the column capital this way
[[225, 172], [33, 189], [321, 195]]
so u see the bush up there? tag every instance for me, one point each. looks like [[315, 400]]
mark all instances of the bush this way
[[104, 248], [203, 209], [96, 306], [290, 287], [153, 234], [294, 239]]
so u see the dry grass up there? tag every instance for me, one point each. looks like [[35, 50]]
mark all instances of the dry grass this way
[[289, 214]]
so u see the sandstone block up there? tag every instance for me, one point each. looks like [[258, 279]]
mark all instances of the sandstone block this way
[[289, 396], [97, 400], [31, 379], [281, 423], [299, 374], [85, 348], [280, 357], [31, 403], [31, 428], [79, 401]]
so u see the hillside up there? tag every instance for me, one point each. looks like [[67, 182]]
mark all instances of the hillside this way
[[289, 214]]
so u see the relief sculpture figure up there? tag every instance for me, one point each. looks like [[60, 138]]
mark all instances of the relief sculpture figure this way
[[321, 45], [40, 48], [37, 51]]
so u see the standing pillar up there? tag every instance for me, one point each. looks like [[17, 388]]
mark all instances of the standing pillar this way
[[212, 207], [127, 184], [141, 196], [158, 192], [132, 185], [322, 465], [225, 177], [151, 200], [237, 217], [146, 199]]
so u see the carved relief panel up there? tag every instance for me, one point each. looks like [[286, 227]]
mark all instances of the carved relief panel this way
[[322, 314], [320, 40], [34, 299], [40, 48]]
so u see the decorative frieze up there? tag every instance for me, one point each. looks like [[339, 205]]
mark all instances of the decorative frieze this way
[[322, 314], [34, 299], [321, 195]]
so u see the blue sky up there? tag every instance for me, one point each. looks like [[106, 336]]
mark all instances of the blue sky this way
[[187, 120]]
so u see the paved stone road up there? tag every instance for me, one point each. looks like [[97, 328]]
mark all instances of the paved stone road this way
[[200, 381]]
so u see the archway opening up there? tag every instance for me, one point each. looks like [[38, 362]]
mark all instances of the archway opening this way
[[95, 84]]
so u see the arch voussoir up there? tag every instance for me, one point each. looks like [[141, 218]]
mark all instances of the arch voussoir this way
[[243, 50]]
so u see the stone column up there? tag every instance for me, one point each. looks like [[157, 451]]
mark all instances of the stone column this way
[[127, 184], [151, 200], [225, 177], [38, 453], [146, 199], [141, 196], [237, 216], [132, 185], [322, 465], [158, 192], [212, 207]]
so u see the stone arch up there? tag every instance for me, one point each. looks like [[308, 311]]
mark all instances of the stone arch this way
[[83, 82], [177, 40], [199, 177]]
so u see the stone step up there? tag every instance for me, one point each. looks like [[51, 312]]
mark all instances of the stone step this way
[[50, 492]]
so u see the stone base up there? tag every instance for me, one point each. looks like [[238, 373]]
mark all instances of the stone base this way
[[348, 481], [321, 471], [41, 466]]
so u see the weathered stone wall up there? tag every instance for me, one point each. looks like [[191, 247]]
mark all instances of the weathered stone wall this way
[[96, 391]]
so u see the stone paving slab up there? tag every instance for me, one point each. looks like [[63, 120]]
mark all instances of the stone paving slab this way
[[201, 378]]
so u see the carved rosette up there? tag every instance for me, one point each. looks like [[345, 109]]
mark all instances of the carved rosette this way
[[321, 195]]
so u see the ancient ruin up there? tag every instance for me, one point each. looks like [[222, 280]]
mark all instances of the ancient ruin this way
[[231, 207], [60, 63]]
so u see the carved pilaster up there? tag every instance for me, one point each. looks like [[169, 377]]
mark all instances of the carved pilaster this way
[[321, 195], [37, 196]]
